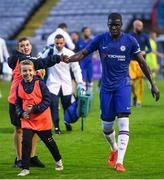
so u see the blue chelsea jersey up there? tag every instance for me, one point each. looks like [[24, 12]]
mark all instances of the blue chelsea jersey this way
[[115, 58], [88, 59], [143, 41]]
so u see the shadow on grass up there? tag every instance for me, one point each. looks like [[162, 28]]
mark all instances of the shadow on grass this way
[[6, 130]]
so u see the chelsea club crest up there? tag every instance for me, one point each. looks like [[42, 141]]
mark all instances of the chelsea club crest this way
[[122, 48]]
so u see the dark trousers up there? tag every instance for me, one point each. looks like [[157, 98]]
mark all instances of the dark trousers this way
[[46, 137], [65, 101]]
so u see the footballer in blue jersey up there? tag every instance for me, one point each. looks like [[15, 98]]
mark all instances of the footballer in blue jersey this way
[[136, 74], [143, 41], [115, 57], [86, 63], [116, 50]]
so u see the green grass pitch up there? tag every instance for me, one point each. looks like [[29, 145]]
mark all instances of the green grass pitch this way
[[85, 153]]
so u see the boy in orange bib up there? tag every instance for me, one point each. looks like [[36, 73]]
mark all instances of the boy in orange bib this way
[[32, 106]]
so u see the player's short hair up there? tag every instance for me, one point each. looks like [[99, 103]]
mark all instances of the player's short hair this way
[[76, 32], [84, 28], [62, 25], [114, 16], [136, 22], [26, 62], [59, 36]]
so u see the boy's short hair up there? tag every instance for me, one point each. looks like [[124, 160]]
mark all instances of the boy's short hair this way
[[23, 39], [26, 62]]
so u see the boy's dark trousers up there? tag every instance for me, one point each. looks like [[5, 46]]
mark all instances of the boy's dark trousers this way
[[46, 137]]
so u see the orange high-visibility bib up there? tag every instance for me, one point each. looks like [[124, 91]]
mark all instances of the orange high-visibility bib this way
[[16, 79], [40, 121]]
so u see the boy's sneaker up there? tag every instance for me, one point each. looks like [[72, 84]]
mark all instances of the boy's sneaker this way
[[59, 165], [112, 158], [57, 131], [35, 162], [120, 168], [17, 163], [68, 127], [24, 172]]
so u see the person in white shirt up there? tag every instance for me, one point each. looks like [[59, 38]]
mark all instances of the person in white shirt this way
[[62, 29], [59, 81], [3, 57]]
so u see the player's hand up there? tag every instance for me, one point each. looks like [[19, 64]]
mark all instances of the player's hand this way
[[143, 53], [64, 58], [80, 89], [155, 92]]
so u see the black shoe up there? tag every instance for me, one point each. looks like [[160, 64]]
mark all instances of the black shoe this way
[[57, 131], [17, 163], [138, 105], [68, 127], [134, 101], [35, 162]]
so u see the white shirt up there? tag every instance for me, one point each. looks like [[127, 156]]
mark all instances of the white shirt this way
[[67, 38], [3, 51], [59, 75]]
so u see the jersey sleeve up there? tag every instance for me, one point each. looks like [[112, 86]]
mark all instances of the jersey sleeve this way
[[46, 99], [77, 72], [18, 104], [93, 45], [148, 45], [135, 46], [16, 55]]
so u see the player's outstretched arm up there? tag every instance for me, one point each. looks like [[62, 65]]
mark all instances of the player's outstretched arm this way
[[41, 63], [64, 58], [12, 60], [154, 89], [76, 57]]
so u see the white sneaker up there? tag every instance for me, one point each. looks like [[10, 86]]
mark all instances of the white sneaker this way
[[0, 95], [24, 172], [59, 165]]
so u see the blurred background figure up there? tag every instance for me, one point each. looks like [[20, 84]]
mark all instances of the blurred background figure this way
[[76, 38], [3, 58], [135, 71], [75, 35], [86, 63], [62, 29], [151, 58], [59, 81]]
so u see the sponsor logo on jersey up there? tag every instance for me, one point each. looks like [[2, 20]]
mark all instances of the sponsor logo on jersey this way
[[118, 57]]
